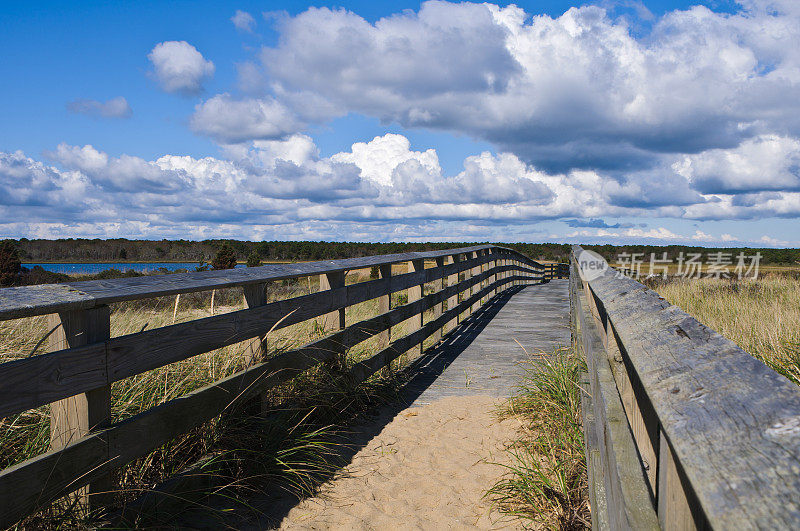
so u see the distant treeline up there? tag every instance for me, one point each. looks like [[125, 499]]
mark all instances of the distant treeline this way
[[84, 250]]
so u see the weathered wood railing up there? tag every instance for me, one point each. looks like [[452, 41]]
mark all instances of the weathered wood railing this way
[[75, 378], [684, 429]]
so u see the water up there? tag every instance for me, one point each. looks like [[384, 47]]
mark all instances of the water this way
[[88, 268]]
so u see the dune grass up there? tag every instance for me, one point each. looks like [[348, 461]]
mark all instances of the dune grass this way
[[760, 315], [293, 447], [546, 481]]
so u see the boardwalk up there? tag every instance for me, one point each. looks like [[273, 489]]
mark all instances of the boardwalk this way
[[425, 462], [482, 356]]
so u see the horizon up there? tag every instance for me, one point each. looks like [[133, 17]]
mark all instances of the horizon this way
[[609, 122]]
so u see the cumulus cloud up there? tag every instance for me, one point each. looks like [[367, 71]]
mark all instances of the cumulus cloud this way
[[229, 120], [579, 91], [179, 67], [285, 189], [243, 21], [121, 174], [113, 108], [768, 162], [379, 157]]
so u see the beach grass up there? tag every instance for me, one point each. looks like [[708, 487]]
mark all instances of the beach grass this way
[[760, 315], [545, 484]]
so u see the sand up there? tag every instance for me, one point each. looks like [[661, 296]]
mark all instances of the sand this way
[[429, 468]]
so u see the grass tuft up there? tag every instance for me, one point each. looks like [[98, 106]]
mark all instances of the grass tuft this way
[[546, 480]]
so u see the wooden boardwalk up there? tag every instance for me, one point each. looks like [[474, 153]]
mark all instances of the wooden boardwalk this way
[[482, 356]]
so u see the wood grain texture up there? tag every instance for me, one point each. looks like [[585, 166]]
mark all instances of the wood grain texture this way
[[628, 501], [384, 305], [414, 294], [27, 301], [733, 424], [31, 382], [76, 416], [255, 295], [452, 280]]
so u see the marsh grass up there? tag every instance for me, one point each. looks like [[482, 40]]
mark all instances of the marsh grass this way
[[294, 446], [545, 483], [760, 315]]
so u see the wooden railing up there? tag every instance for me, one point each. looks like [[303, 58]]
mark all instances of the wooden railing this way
[[684, 430], [86, 446]]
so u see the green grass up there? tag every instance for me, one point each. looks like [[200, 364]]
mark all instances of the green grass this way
[[546, 480]]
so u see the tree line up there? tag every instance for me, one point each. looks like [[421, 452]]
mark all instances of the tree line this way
[[223, 254]]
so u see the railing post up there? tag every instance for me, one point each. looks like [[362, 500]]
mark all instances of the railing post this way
[[452, 302], [415, 294], [476, 287], [334, 321], [77, 416], [674, 509], [384, 305], [500, 276], [493, 278], [437, 309], [256, 351], [255, 295]]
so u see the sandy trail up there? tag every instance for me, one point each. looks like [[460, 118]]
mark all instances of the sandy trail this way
[[429, 468]]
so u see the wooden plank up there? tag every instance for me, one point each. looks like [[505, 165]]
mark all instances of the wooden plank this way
[[733, 424], [26, 301], [452, 301], [594, 461], [675, 511], [641, 418], [334, 320], [255, 295], [366, 368], [384, 305], [626, 490], [36, 482], [31, 382], [437, 309], [414, 294], [74, 417]]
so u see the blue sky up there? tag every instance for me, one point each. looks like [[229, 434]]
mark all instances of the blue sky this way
[[609, 121]]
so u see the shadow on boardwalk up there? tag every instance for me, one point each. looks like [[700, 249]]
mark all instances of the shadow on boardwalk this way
[[421, 379]]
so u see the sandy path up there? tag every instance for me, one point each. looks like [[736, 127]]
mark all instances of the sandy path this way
[[427, 469]]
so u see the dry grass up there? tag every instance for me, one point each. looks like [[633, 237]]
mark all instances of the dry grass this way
[[762, 316], [294, 447], [546, 482]]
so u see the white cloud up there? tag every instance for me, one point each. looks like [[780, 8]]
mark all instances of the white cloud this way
[[243, 21], [276, 188], [378, 158], [577, 91], [228, 120], [768, 162], [121, 174], [179, 67], [113, 108]]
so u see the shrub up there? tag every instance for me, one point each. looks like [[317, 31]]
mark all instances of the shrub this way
[[253, 260], [9, 262], [225, 259]]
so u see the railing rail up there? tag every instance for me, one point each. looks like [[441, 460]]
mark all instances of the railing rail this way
[[684, 429], [75, 377]]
